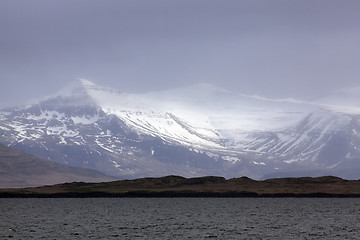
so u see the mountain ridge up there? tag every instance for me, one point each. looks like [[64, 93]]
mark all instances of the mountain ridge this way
[[185, 131]]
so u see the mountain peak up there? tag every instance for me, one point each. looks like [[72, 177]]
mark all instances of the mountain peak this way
[[77, 87], [85, 83], [78, 92]]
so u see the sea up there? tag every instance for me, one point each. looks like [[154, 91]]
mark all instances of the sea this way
[[180, 218]]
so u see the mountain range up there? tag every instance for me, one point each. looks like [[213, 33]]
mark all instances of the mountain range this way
[[191, 131]]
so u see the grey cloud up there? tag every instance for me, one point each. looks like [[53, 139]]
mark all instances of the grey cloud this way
[[275, 48]]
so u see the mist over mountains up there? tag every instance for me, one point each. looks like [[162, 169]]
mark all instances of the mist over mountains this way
[[192, 131]]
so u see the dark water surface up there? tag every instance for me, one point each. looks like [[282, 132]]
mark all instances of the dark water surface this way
[[180, 218]]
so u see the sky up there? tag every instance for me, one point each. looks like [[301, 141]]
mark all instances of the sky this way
[[274, 48]]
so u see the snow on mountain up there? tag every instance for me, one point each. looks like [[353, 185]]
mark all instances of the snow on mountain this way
[[190, 131], [196, 114]]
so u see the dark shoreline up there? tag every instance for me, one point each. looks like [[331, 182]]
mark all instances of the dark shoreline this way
[[176, 195], [202, 187]]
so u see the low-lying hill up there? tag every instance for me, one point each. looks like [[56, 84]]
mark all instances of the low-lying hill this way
[[18, 169], [175, 186]]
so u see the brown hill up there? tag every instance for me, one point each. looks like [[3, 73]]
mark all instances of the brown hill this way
[[18, 169], [176, 186]]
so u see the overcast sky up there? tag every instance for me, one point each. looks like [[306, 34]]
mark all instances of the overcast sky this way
[[275, 48]]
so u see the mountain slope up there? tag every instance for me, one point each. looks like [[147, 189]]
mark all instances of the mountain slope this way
[[193, 131], [18, 169]]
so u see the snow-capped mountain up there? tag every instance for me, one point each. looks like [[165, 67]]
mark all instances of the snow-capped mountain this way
[[192, 131]]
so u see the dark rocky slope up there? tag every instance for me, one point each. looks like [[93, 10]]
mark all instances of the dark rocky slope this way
[[18, 169]]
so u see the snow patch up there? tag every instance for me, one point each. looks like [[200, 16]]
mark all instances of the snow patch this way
[[231, 159], [259, 163], [4, 128], [85, 119], [291, 161]]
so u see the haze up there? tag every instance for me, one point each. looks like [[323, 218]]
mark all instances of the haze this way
[[300, 49]]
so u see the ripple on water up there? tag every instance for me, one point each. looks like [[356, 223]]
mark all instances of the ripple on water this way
[[179, 218]]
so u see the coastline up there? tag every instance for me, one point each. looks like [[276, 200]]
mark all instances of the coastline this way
[[202, 187]]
